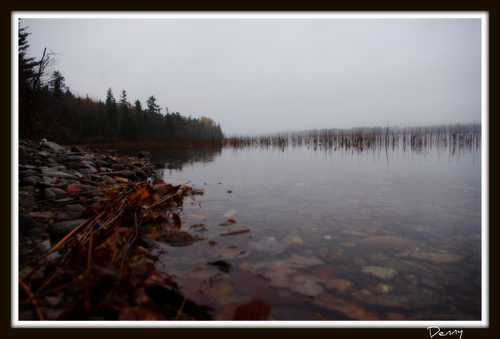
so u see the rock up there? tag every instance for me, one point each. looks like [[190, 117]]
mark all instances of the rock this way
[[386, 242], [160, 165], [341, 285], [25, 198], [293, 239], [383, 288], [76, 149], [61, 229], [141, 174], [235, 230], [177, 238], [26, 224], [389, 301], [53, 192], [347, 309], [144, 155], [267, 245], [117, 167], [101, 163], [301, 261], [71, 212], [51, 172], [52, 146], [444, 258], [29, 181], [107, 180], [380, 272], [23, 155], [306, 285]]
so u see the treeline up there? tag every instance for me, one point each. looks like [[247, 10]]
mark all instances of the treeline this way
[[48, 109]]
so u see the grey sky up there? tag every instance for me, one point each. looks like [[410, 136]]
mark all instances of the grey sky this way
[[259, 75]]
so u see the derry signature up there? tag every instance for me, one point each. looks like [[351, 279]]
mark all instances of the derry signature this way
[[437, 331]]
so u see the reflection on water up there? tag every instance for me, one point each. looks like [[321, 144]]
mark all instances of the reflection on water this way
[[334, 234]]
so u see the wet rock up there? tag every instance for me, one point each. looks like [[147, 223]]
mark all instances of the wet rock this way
[[117, 167], [29, 181], [306, 285], [444, 258], [61, 229], [340, 285], [301, 261], [358, 262], [52, 146], [22, 153], [26, 224], [379, 272], [53, 192], [108, 180], [345, 308], [268, 245], [383, 288], [51, 172], [76, 149], [25, 198], [177, 238], [389, 301], [141, 174], [144, 155], [293, 239], [235, 230], [385, 243], [101, 163], [71, 212]]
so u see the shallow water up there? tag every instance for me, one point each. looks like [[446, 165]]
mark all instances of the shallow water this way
[[333, 235]]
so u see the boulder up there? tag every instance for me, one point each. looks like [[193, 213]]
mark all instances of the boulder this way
[[23, 155], [144, 155], [76, 149], [52, 146]]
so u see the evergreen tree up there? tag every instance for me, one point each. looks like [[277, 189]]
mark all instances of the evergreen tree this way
[[27, 64], [125, 123], [112, 114], [139, 120], [57, 84], [152, 106]]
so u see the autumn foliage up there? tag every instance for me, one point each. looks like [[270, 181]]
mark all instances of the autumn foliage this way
[[105, 268]]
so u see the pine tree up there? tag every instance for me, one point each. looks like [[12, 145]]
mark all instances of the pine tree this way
[[26, 64], [113, 124], [125, 123]]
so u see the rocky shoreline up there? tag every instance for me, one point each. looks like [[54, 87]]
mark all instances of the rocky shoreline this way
[[52, 172], [88, 221]]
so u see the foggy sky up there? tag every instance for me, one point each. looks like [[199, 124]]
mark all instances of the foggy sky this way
[[256, 75]]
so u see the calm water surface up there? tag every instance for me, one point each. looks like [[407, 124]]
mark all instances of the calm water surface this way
[[333, 235]]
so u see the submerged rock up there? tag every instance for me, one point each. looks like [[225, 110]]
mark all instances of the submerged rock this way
[[178, 238], [386, 242], [268, 245], [380, 272], [445, 258], [235, 230]]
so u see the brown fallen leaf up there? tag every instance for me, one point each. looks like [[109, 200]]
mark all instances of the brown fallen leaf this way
[[254, 310], [229, 222]]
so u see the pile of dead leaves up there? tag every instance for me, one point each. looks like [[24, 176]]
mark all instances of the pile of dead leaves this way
[[104, 269]]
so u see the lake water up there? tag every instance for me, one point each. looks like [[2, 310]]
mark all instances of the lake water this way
[[333, 234]]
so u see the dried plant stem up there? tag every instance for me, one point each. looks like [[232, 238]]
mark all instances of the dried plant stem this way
[[33, 300]]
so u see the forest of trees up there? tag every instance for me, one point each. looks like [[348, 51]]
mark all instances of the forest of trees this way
[[48, 109]]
